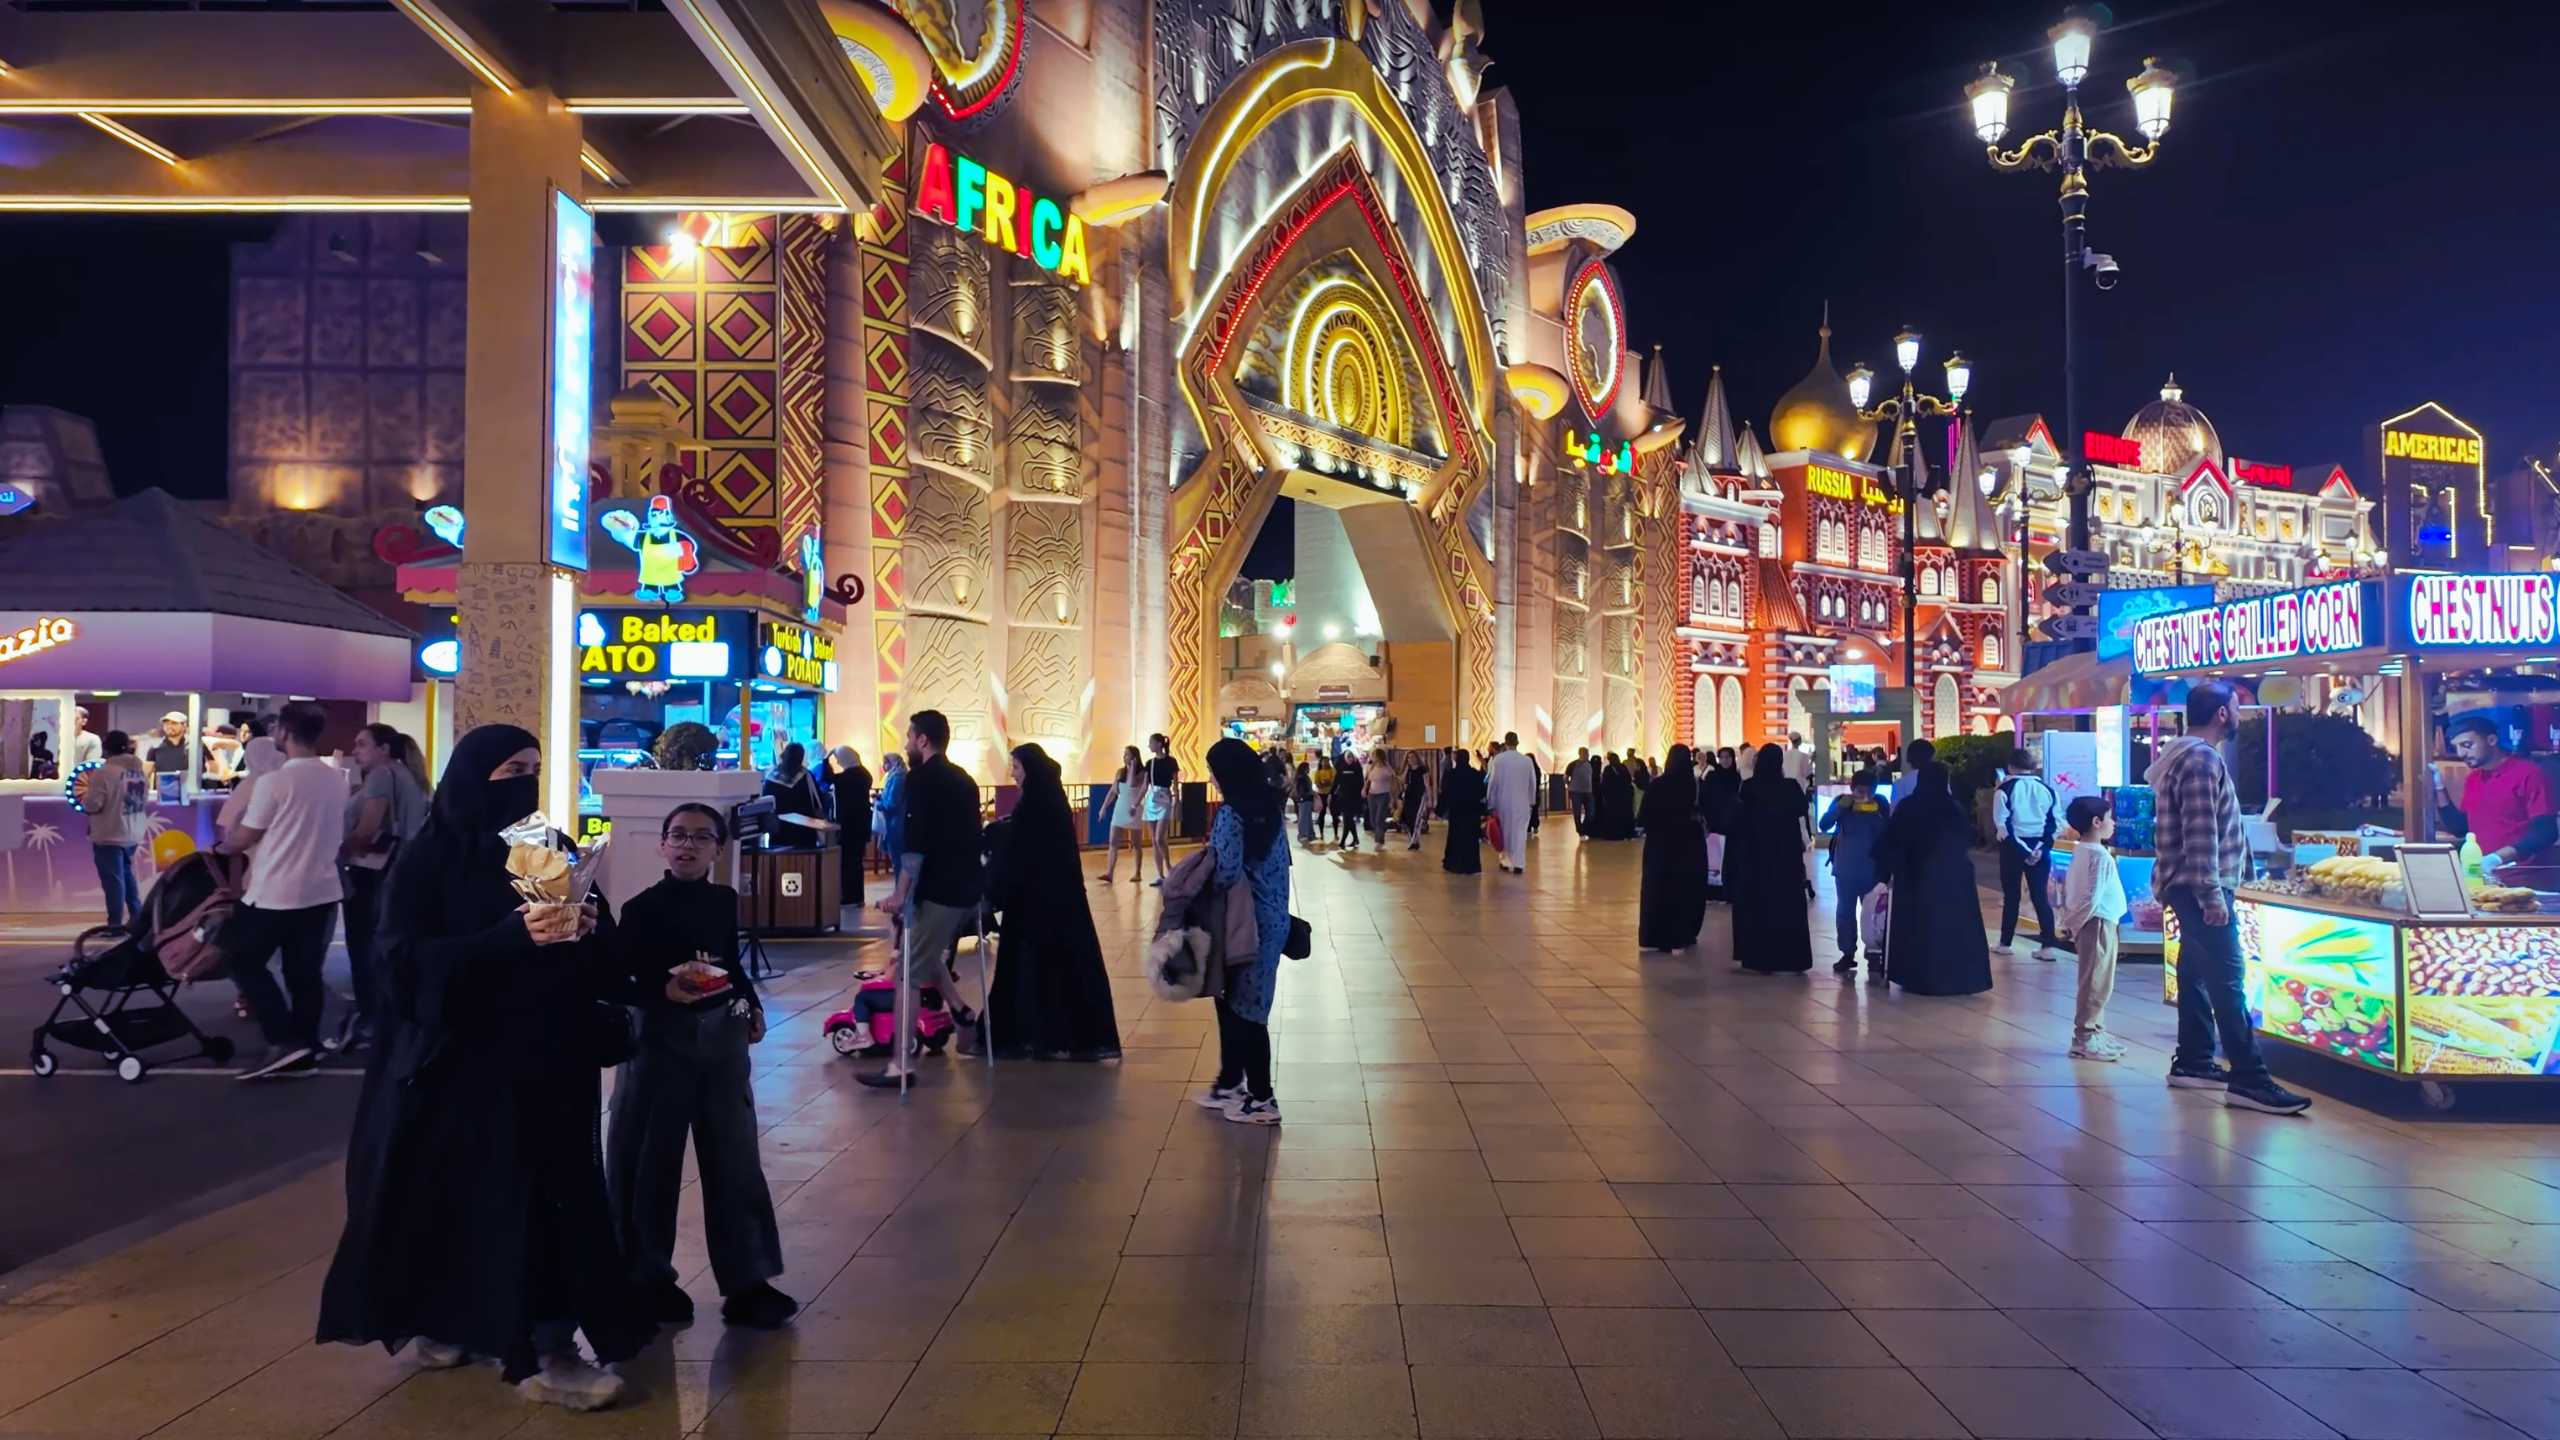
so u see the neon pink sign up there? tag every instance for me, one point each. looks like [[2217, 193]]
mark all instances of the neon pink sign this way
[[2483, 609], [2292, 624]]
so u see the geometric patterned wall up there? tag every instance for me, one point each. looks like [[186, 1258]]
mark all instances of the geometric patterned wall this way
[[346, 364], [733, 338], [886, 385]]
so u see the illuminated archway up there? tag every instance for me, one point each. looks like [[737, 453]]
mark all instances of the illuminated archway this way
[[1382, 313]]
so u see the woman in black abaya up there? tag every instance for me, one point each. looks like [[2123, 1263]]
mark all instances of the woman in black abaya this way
[[1617, 802], [1934, 943], [476, 1215], [1052, 995], [1462, 805], [1719, 800], [1764, 871], [1675, 859]]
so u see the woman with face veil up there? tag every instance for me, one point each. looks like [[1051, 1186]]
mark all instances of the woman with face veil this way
[[1934, 943], [1674, 903], [477, 1224], [1052, 995], [1764, 871]]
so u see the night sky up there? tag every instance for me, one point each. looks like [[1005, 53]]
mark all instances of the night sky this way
[[2356, 211]]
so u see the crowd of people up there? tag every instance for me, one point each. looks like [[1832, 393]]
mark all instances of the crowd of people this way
[[492, 1216]]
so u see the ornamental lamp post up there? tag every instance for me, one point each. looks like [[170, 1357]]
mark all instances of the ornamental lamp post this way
[[1905, 410], [2074, 149]]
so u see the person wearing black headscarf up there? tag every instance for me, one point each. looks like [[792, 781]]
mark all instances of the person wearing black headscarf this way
[[1462, 805], [1934, 943], [1052, 994], [1617, 802], [1719, 800], [1764, 871], [794, 791], [477, 1223], [1674, 903], [1244, 842]]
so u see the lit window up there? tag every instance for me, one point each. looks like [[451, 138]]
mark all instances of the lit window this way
[[1928, 579], [1769, 541], [1701, 595], [1733, 598], [1990, 590], [1991, 652]]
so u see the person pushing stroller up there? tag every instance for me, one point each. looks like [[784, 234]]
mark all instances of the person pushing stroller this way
[[699, 1013]]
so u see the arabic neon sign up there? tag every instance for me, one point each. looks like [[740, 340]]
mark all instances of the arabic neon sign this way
[[1591, 452], [41, 636], [2257, 629], [967, 196]]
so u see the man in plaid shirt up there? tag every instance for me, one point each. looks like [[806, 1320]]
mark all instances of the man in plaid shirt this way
[[2202, 859]]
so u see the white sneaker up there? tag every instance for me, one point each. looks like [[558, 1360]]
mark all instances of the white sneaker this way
[[437, 1355], [569, 1382], [1249, 1111], [1219, 1097], [2054, 952], [2099, 1047]]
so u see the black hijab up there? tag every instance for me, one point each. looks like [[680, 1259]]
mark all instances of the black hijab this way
[[1673, 795], [1043, 803], [469, 807], [1238, 772]]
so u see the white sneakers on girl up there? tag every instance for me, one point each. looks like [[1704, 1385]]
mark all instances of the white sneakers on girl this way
[[571, 1383]]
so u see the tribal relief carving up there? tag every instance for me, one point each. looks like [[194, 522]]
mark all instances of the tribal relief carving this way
[[1044, 684], [1045, 444], [947, 546], [1618, 648], [946, 671], [1044, 564], [948, 286], [1572, 640], [955, 428], [1044, 333]]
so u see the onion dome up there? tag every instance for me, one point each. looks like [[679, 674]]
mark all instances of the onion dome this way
[[1818, 414], [2174, 435]]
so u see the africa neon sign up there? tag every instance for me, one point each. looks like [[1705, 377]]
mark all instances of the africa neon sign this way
[[969, 197]]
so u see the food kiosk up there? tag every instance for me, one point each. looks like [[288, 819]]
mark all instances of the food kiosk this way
[[140, 610], [2396, 959]]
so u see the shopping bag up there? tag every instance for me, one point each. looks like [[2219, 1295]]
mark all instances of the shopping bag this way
[[1493, 831]]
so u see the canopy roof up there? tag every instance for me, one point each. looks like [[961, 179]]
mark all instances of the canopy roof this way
[[154, 553]]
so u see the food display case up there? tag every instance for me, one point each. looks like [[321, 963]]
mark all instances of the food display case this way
[[2430, 999]]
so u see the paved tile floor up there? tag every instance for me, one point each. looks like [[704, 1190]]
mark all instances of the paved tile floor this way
[[1531, 1184]]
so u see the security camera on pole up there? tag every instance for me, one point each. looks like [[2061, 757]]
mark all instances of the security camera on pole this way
[[2075, 149]]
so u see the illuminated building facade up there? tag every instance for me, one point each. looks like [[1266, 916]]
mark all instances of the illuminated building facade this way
[[993, 329]]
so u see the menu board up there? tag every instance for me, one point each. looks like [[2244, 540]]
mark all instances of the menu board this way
[[2432, 877], [2483, 1000]]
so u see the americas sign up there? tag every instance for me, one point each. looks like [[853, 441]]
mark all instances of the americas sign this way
[[2291, 624]]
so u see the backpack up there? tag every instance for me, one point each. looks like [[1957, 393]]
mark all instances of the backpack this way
[[2009, 788]]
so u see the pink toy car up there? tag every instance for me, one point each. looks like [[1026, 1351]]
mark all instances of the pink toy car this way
[[865, 1029]]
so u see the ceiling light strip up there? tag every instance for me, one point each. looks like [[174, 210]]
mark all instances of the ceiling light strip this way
[[456, 44], [128, 135], [766, 108], [418, 105]]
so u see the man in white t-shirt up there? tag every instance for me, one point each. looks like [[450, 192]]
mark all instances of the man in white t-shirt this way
[[82, 747], [292, 830]]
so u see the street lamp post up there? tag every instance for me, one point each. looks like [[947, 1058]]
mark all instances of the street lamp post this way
[[1905, 410], [2074, 149], [2018, 456]]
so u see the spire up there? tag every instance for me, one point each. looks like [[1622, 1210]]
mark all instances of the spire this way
[[1747, 459], [1970, 523], [2172, 390], [1925, 529], [1715, 424], [1657, 385]]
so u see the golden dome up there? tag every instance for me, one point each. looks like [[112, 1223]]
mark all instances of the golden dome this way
[[1817, 413], [2174, 435]]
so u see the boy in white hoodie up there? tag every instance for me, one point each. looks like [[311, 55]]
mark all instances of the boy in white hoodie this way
[[2092, 898]]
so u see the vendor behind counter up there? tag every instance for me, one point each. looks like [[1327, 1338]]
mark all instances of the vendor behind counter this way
[[2507, 805]]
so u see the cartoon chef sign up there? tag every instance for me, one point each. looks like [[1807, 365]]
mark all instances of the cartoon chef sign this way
[[667, 554]]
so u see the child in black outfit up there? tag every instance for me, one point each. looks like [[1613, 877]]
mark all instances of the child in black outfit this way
[[698, 1015]]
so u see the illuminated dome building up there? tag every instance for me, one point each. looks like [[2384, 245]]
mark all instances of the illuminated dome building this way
[[2173, 434], [1818, 413]]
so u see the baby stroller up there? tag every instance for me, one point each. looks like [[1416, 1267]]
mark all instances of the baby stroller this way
[[124, 981]]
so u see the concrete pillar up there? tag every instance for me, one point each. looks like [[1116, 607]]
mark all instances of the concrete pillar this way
[[516, 611]]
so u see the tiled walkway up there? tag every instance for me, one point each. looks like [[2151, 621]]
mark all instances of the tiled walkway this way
[[1530, 1185]]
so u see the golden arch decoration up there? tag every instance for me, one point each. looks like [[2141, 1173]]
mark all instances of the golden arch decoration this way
[[1302, 73], [1342, 365], [1218, 509]]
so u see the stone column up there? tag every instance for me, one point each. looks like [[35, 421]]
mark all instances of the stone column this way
[[517, 667], [853, 713]]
